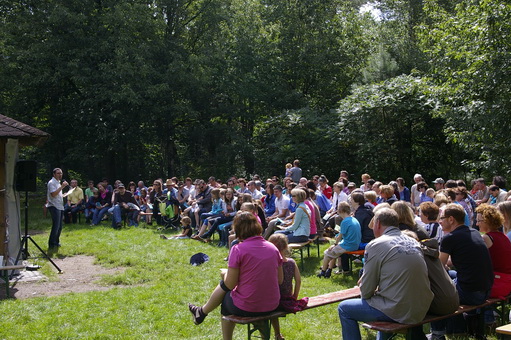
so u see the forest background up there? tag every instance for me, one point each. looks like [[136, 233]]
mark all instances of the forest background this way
[[140, 89]]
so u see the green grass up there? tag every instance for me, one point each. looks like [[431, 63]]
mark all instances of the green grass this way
[[161, 283]]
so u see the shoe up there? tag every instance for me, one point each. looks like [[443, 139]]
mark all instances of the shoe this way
[[321, 273], [328, 273], [432, 336], [279, 337], [164, 237], [118, 226], [198, 314], [344, 272]]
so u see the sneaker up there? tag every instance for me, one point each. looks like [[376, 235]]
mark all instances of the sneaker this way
[[328, 273], [344, 272], [198, 314], [321, 273]]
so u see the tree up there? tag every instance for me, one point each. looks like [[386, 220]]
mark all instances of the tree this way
[[389, 130], [469, 52]]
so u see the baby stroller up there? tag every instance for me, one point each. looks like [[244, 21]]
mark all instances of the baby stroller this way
[[169, 212]]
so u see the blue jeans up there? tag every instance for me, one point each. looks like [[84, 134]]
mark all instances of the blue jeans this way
[[217, 222], [74, 213], [56, 227], [354, 310], [116, 212], [291, 238], [98, 214]]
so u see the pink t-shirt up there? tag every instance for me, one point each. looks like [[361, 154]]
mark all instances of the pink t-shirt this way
[[258, 284], [314, 229]]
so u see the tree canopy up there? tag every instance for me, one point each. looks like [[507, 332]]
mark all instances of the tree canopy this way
[[149, 88]]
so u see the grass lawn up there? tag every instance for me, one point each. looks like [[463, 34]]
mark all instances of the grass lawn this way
[[161, 283]]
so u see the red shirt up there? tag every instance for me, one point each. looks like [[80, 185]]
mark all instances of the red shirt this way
[[500, 252], [327, 191]]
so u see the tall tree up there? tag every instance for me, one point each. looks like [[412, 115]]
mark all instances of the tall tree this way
[[469, 50]]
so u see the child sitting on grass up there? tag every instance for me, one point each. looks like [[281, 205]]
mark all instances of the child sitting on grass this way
[[288, 296], [187, 230]]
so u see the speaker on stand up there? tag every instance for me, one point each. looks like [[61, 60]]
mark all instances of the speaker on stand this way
[[26, 180]]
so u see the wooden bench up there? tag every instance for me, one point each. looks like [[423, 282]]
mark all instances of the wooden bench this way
[[394, 327], [504, 332], [263, 324], [300, 246], [354, 255], [4, 272]]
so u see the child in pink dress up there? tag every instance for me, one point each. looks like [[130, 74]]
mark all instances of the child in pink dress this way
[[288, 296]]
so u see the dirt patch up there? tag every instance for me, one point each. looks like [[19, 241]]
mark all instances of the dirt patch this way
[[79, 274]]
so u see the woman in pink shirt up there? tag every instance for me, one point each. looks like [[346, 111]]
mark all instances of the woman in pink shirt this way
[[251, 284]]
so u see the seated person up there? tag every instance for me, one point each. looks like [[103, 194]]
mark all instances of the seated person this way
[[299, 230], [254, 274], [429, 216], [469, 254], [102, 206], [348, 239], [394, 286], [186, 233], [90, 206], [124, 203], [74, 202], [489, 220], [281, 211]]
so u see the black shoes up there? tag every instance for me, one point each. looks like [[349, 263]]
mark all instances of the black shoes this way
[[198, 314], [325, 273]]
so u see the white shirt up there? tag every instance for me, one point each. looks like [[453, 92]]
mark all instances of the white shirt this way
[[281, 204], [256, 194], [57, 201]]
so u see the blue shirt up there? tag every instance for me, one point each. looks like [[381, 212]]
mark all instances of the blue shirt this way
[[269, 203], [351, 234]]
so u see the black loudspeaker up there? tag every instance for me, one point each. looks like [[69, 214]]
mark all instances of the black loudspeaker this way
[[26, 174]]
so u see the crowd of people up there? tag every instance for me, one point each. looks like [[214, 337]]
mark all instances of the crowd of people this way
[[433, 247]]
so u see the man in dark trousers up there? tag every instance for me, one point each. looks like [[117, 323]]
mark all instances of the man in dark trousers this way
[[473, 276], [55, 207], [124, 202]]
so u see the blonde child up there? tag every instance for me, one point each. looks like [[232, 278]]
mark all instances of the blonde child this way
[[288, 296], [288, 170], [431, 193], [187, 230]]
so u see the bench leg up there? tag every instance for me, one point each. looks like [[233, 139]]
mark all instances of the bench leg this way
[[301, 258], [264, 328], [415, 333]]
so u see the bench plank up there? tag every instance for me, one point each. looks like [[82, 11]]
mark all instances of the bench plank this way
[[314, 301], [394, 327]]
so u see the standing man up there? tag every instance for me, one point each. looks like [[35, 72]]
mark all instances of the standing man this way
[[74, 202], [296, 172], [395, 284], [55, 207]]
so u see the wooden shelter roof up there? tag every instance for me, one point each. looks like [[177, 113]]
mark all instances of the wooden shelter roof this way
[[27, 135]]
